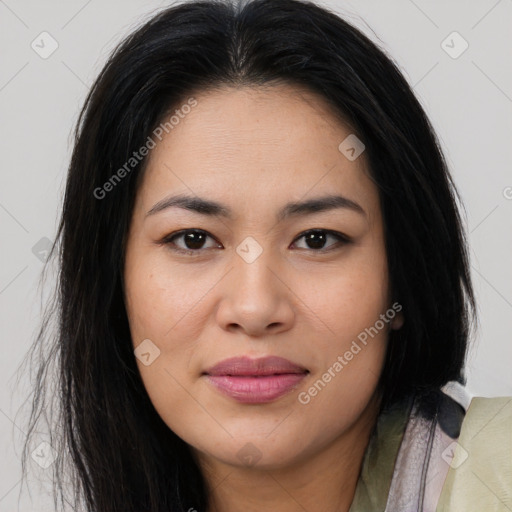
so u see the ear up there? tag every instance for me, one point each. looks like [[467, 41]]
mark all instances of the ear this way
[[397, 321]]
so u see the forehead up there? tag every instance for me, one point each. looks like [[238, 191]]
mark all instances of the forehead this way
[[257, 143]]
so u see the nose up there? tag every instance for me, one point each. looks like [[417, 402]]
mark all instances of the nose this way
[[255, 296]]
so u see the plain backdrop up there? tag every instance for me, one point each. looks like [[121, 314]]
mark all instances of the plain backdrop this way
[[467, 93]]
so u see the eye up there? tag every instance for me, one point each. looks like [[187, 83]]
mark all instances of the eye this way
[[194, 239], [316, 239]]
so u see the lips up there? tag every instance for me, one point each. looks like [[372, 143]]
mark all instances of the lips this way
[[255, 381], [245, 366]]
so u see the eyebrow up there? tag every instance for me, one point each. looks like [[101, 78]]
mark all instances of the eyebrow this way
[[292, 209]]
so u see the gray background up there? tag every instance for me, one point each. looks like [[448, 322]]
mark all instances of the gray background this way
[[468, 99]]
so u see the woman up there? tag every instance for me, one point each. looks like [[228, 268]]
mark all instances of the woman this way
[[264, 297]]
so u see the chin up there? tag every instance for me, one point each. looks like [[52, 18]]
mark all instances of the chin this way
[[258, 452]]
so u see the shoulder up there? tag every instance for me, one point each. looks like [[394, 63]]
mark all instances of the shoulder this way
[[480, 474]]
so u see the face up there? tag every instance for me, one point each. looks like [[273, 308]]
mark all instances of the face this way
[[253, 278]]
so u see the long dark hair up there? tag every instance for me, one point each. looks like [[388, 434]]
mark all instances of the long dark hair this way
[[115, 449]]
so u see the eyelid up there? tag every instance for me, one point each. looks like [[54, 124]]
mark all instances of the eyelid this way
[[167, 240], [342, 239]]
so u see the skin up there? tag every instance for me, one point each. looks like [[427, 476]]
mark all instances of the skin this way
[[254, 150]]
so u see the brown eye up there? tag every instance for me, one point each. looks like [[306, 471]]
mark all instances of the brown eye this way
[[193, 240], [316, 239]]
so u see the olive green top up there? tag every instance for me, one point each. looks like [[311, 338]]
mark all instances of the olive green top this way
[[480, 479]]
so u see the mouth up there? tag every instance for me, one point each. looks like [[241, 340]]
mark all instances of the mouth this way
[[255, 381]]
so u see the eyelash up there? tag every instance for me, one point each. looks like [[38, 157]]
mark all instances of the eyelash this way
[[168, 240]]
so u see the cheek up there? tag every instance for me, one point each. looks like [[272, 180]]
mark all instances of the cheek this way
[[349, 358], [162, 299], [165, 305], [349, 297], [159, 311], [352, 300]]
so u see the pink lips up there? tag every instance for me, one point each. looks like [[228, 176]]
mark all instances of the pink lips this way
[[255, 380]]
